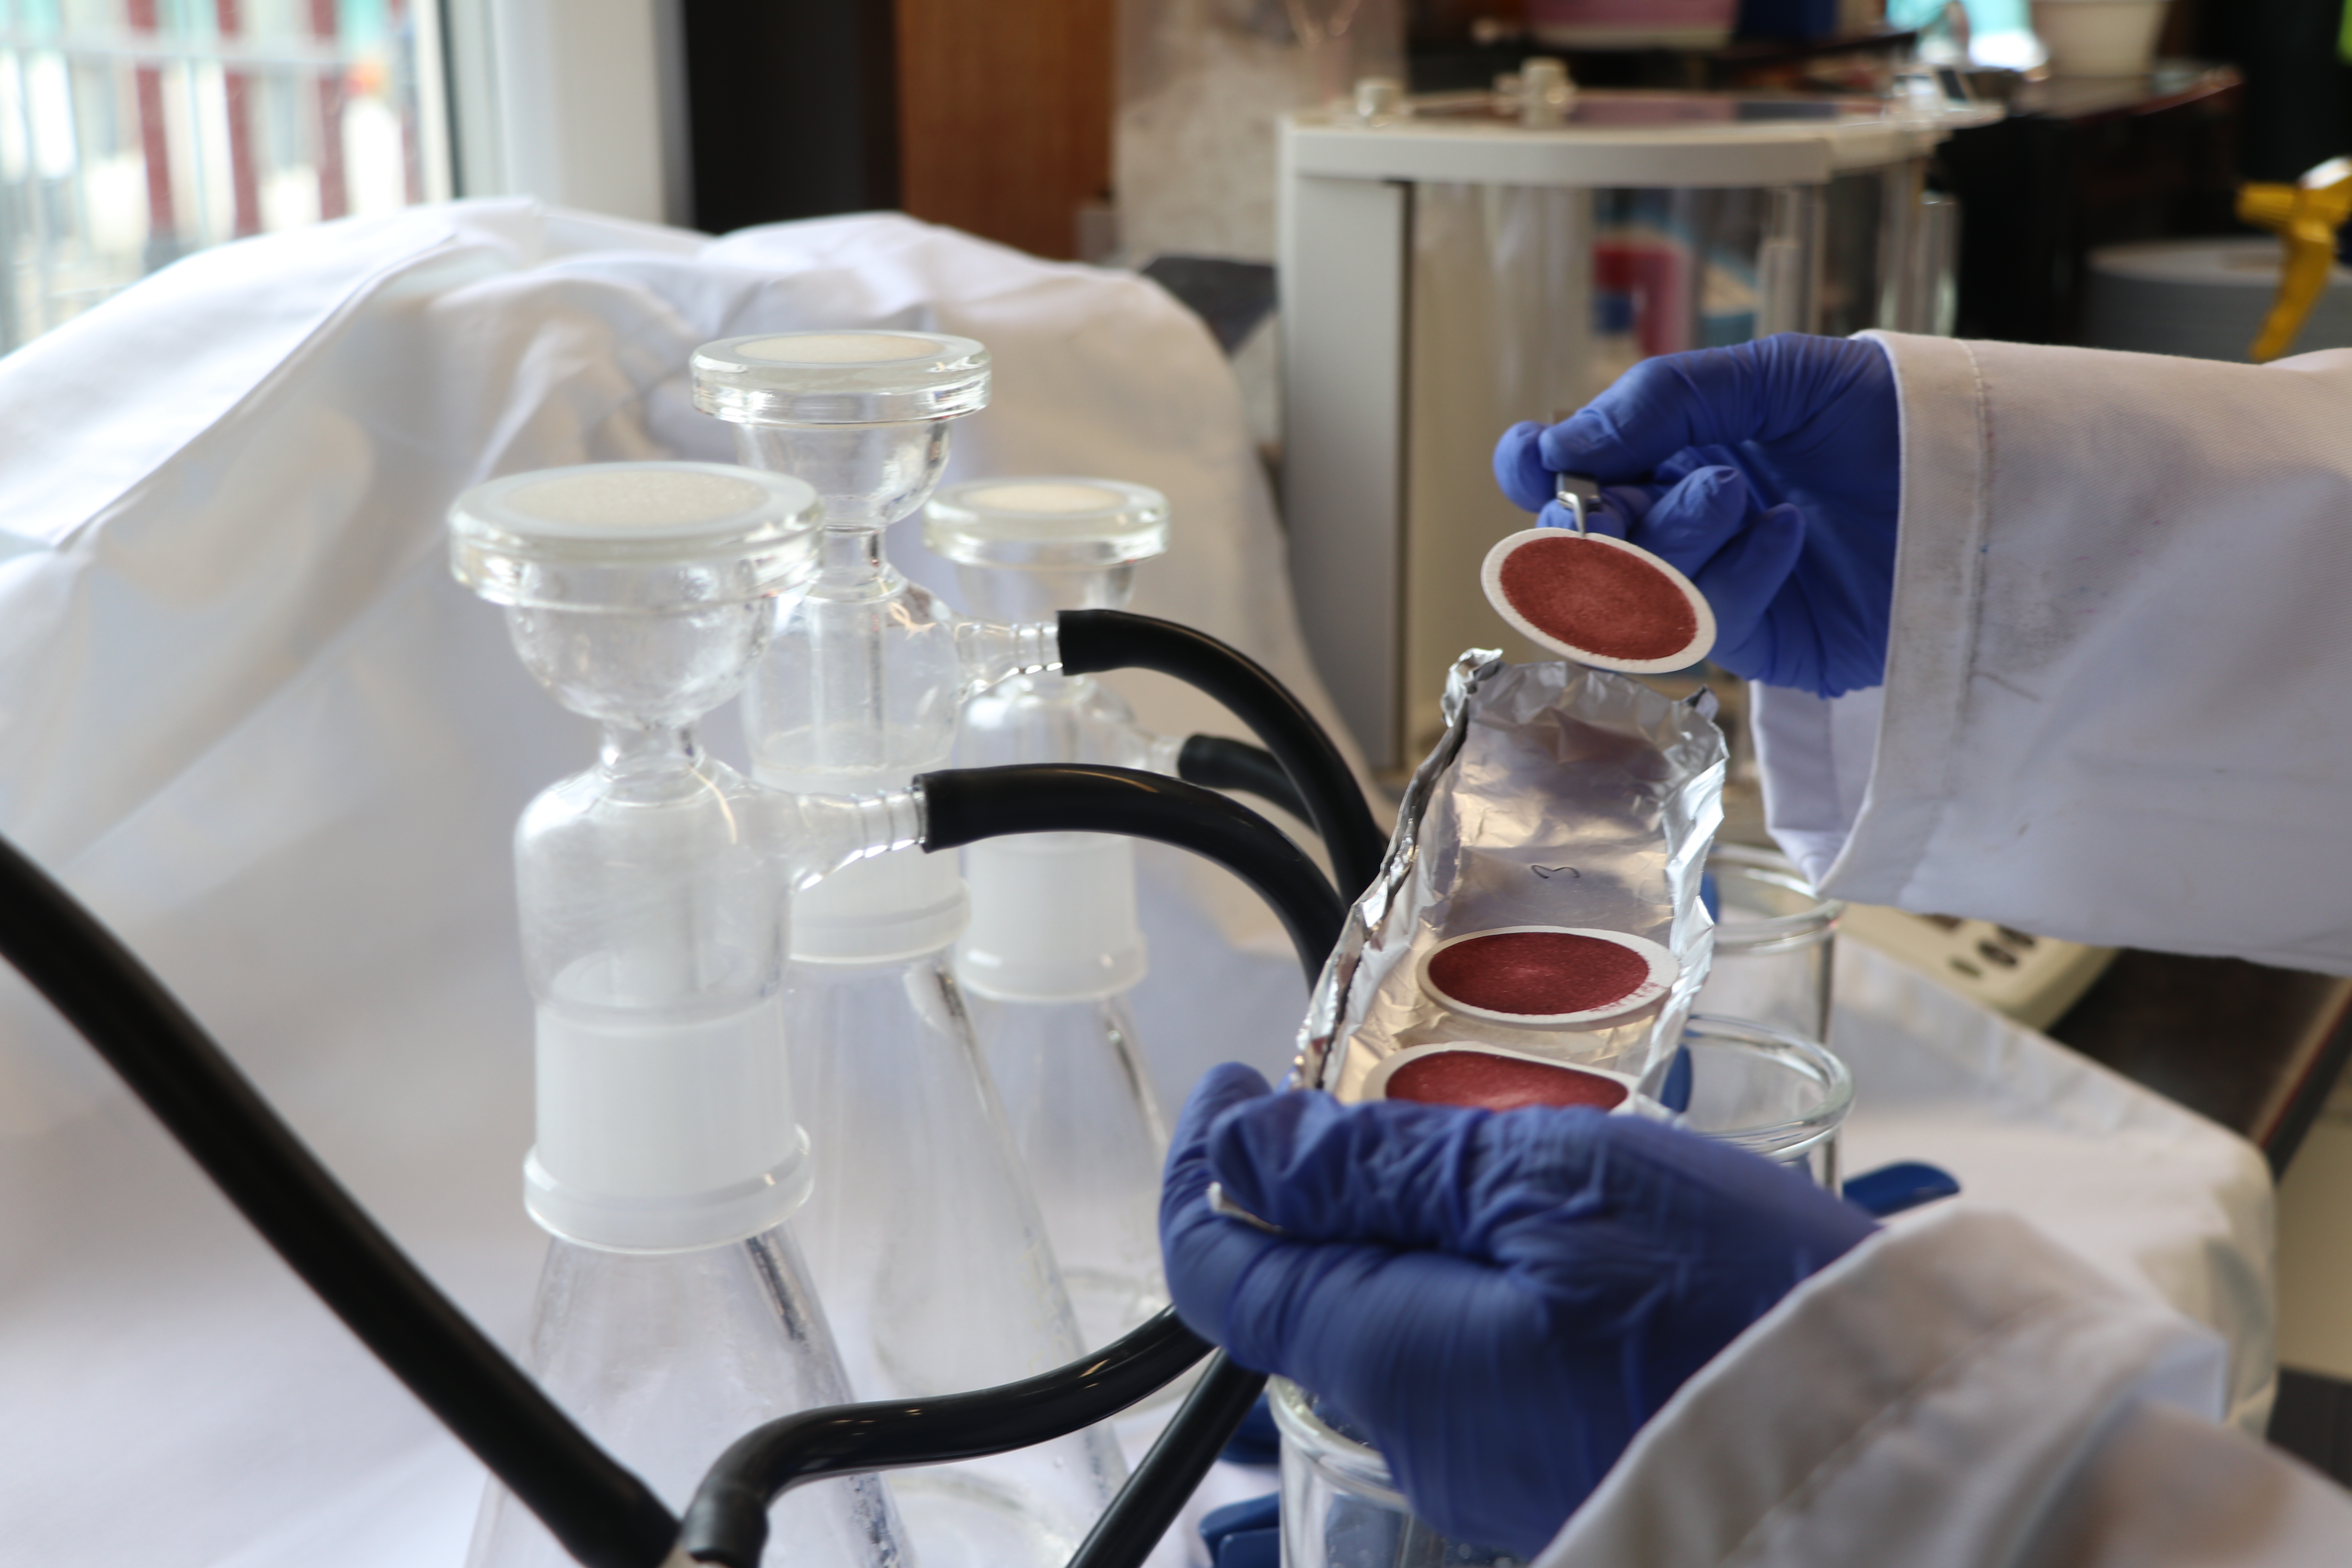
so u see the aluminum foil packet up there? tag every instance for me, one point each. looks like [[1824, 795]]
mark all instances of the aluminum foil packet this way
[[1560, 795]]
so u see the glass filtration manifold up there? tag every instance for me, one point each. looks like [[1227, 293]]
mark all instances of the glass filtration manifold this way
[[924, 1234], [674, 1309], [1055, 943]]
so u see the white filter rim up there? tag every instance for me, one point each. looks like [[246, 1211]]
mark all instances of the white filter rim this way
[[1375, 1084], [1490, 578], [1664, 969]]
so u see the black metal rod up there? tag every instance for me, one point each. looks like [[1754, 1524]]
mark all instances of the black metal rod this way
[[1219, 761], [1095, 640], [604, 1515], [727, 1520]]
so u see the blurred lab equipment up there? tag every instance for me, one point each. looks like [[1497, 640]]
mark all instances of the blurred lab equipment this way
[[1055, 946], [1631, 24], [2307, 216], [2205, 299], [2098, 37], [2078, 163], [1494, 256], [674, 1309], [917, 1179], [1775, 943], [1202, 86]]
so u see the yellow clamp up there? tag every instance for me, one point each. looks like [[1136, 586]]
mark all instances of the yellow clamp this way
[[2305, 216]]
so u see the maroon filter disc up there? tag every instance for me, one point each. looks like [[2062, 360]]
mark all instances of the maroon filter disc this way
[[1491, 1082], [1547, 975], [1599, 601]]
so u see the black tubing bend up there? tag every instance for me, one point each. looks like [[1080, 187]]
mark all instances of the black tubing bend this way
[[961, 805], [1218, 762], [727, 1520], [605, 1516], [1095, 641]]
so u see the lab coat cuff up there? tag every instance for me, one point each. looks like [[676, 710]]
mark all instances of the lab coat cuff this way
[[1920, 1400], [1880, 813], [1814, 754]]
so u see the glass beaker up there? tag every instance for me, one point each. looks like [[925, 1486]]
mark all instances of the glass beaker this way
[[1768, 1091], [924, 1235], [673, 1313], [1055, 943], [1775, 942], [1340, 1508]]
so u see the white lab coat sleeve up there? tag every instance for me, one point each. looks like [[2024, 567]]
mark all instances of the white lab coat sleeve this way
[[2122, 633], [1958, 1391]]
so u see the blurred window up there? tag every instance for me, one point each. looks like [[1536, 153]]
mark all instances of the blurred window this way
[[134, 132]]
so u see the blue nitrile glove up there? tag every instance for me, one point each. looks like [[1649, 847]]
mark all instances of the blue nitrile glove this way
[[1501, 1300], [1769, 473]]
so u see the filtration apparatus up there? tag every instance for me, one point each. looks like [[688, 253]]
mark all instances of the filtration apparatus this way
[[1055, 943], [1452, 265], [924, 1234], [674, 1309]]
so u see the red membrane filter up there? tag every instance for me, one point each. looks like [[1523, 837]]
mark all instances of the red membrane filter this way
[[1548, 977], [1486, 1077], [1599, 601]]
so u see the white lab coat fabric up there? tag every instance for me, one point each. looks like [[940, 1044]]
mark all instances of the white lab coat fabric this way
[[246, 713], [2109, 714], [2114, 710], [1975, 1389]]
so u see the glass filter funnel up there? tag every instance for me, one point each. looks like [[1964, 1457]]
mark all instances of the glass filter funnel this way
[[924, 1234], [674, 1313], [1054, 944]]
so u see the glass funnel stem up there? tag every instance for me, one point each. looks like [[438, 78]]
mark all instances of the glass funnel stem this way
[[850, 619], [628, 752]]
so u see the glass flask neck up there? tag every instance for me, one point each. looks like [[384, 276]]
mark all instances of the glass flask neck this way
[[631, 753], [850, 566]]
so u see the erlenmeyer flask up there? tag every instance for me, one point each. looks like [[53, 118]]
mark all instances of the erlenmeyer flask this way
[[1054, 944], [674, 1313], [923, 1233]]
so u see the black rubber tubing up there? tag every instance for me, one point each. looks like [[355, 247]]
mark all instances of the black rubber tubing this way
[[963, 805], [728, 1521], [1092, 641], [604, 1515], [1219, 762]]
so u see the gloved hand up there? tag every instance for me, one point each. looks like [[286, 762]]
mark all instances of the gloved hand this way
[[1769, 474], [1501, 1300]]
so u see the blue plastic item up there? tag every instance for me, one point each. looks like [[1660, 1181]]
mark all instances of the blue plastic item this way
[[1497, 1300], [1257, 1440], [1246, 1534], [1769, 473], [1674, 1093], [1906, 1185]]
